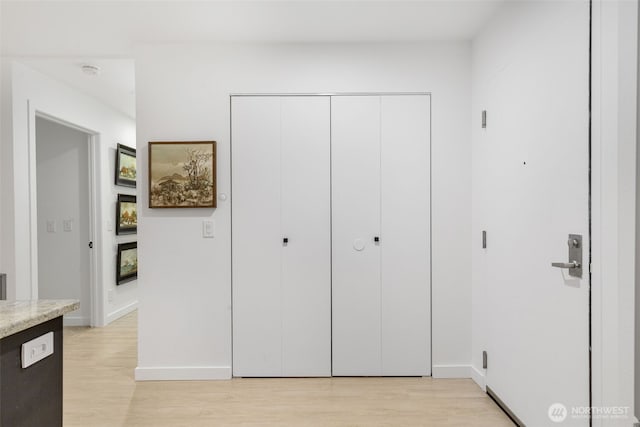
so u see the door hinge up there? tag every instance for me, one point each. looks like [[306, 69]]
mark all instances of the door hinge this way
[[484, 360], [484, 239], [484, 119], [90, 245]]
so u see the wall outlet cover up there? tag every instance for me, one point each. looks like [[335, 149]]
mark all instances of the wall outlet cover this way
[[68, 225], [37, 349]]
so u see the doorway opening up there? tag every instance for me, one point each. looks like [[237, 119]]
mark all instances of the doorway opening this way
[[64, 212]]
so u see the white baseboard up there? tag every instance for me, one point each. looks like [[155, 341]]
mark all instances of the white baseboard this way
[[115, 315], [451, 371], [75, 321], [181, 373], [478, 376]]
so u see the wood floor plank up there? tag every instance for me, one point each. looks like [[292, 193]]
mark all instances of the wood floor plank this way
[[99, 390]]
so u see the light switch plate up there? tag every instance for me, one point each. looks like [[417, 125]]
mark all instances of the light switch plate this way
[[67, 224], [207, 229], [37, 349], [51, 226], [109, 224]]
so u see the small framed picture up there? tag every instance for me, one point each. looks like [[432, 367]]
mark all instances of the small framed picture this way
[[125, 166], [127, 266], [126, 215], [182, 174]]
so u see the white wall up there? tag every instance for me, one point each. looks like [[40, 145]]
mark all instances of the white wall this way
[[5, 100], [183, 94], [63, 194], [6, 173], [30, 92], [637, 260]]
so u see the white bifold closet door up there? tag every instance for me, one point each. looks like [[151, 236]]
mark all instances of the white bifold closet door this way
[[381, 235], [281, 190]]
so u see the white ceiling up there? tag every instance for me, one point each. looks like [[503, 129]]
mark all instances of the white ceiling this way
[[114, 86], [112, 29]]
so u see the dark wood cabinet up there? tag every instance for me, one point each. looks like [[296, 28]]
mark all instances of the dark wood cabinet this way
[[31, 397]]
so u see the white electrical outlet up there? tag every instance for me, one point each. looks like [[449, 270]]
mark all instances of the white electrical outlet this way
[[51, 226], [68, 224], [37, 349], [109, 224], [207, 229]]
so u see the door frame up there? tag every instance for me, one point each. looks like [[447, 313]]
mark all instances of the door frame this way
[[96, 297], [613, 206]]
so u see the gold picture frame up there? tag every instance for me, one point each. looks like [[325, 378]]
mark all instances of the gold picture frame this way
[[182, 174]]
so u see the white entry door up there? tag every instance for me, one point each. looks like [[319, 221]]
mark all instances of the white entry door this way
[[534, 179]]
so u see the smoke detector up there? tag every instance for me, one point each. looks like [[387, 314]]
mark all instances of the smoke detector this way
[[90, 70]]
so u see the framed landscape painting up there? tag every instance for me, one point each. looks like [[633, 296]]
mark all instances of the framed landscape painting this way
[[125, 166], [126, 215], [127, 266], [182, 174]]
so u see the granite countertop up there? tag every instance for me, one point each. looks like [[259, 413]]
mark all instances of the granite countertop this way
[[16, 316]]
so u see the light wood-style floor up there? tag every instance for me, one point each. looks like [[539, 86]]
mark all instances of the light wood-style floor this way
[[99, 390]]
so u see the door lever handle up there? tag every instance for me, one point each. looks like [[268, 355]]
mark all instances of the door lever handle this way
[[574, 264]]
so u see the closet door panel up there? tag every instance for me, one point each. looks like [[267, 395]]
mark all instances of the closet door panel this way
[[256, 248], [355, 145], [306, 218], [405, 236]]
